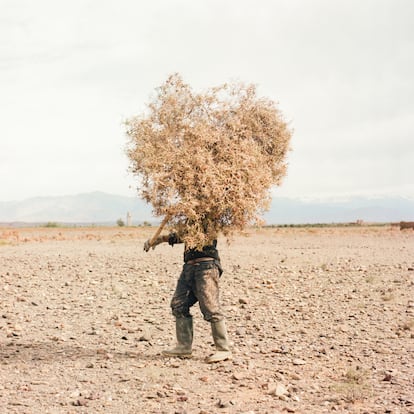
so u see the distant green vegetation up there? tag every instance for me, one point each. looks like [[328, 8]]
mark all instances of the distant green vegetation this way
[[320, 225], [51, 224], [145, 223]]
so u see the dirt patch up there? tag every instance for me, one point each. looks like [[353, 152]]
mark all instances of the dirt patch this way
[[321, 320]]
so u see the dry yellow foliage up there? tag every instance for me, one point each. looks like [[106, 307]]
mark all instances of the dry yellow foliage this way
[[208, 160]]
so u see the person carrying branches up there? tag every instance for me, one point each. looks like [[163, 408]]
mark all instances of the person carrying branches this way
[[206, 162], [198, 282]]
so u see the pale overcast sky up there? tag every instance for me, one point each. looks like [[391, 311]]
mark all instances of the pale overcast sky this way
[[72, 71]]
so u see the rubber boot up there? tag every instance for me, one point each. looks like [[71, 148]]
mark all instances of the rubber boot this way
[[223, 353], [184, 333]]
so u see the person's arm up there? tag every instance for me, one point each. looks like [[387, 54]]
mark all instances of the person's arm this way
[[171, 239], [156, 242]]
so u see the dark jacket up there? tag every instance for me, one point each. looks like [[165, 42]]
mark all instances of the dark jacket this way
[[191, 254]]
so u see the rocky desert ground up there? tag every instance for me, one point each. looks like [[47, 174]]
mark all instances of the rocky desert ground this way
[[321, 320]]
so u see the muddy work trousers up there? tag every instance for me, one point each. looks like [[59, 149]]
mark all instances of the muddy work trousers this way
[[198, 282]]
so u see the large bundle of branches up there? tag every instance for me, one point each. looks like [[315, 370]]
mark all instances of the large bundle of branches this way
[[207, 161]]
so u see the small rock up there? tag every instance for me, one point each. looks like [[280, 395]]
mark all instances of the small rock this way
[[238, 376], [280, 376], [17, 327], [75, 394], [146, 337], [278, 391], [241, 331], [81, 402], [152, 396], [243, 301], [382, 350], [222, 404], [298, 361], [182, 398], [94, 396], [387, 377]]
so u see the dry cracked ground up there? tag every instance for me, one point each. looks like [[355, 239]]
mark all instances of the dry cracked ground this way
[[321, 320]]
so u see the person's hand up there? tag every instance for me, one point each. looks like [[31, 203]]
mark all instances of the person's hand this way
[[147, 246]]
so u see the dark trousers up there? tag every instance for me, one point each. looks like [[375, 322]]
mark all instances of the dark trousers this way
[[198, 283]]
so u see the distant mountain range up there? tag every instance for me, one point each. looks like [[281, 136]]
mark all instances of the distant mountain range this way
[[88, 208], [101, 208], [352, 209]]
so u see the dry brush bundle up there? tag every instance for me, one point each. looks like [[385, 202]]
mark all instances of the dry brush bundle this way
[[208, 160]]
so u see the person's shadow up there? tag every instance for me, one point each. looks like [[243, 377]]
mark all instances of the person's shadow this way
[[52, 351]]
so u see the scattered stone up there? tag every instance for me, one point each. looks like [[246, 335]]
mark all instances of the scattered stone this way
[[34, 330], [278, 390], [17, 328], [238, 376], [182, 398], [39, 382], [298, 361], [241, 332], [382, 350], [223, 404], [75, 394], [145, 337], [94, 396], [281, 350], [151, 396]]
